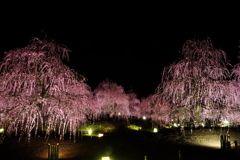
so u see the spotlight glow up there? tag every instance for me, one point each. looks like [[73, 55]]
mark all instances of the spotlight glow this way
[[90, 131], [105, 158], [225, 122], [100, 134]]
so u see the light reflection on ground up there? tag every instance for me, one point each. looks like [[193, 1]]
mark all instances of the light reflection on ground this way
[[67, 150], [210, 138], [213, 143]]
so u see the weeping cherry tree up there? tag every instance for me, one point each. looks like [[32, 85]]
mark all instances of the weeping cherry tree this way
[[134, 103], [37, 91], [111, 100], [196, 86]]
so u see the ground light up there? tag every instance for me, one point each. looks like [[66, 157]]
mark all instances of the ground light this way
[[225, 123], [155, 130], [1, 135], [90, 131], [100, 134], [105, 158]]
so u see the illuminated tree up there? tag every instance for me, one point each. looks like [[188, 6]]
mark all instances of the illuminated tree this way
[[36, 88], [196, 86], [157, 109], [112, 100], [134, 103], [146, 106], [161, 111]]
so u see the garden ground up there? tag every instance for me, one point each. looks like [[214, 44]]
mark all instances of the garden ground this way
[[126, 144]]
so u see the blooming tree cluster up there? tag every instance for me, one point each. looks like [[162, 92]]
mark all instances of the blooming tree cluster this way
[[38, 92], [156, 108], [111, 99]]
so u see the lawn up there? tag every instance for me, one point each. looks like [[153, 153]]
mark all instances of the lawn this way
[[122, 141]]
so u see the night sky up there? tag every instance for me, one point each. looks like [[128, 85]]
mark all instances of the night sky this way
[[128, 44]]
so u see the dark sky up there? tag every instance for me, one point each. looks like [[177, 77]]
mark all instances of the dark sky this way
[[126, 43]]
